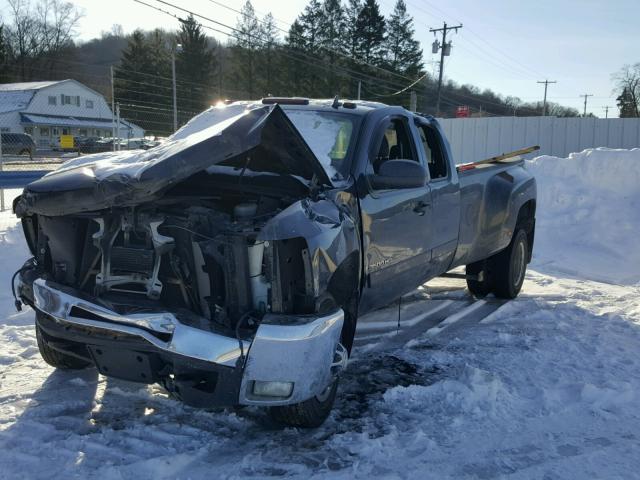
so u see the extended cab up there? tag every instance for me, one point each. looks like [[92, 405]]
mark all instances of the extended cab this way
[[232, 262]]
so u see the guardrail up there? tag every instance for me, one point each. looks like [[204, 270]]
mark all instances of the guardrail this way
[[16, 172], [17, 179]]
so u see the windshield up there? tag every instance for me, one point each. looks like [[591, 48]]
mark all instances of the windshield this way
[[328, 134]]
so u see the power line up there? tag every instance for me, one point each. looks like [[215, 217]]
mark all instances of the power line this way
[[480, 51], [404, 89], [301, 37], [312, 61], [529, 72]]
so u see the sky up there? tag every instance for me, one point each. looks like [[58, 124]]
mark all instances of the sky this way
[[505, 45]]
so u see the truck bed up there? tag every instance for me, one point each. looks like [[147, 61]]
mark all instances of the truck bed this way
[[489, 206]]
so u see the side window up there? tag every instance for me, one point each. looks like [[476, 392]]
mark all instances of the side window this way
[[433, 152], [395, 144]]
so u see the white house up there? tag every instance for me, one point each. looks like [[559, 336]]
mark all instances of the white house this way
[[46, 110]]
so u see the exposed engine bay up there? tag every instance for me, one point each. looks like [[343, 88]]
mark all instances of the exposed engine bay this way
[[182, 227], [203, 258]]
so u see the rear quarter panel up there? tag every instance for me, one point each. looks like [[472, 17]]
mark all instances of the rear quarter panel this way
[[490, 199]]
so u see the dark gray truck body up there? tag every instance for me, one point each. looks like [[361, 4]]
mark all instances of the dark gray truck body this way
[[232, 258]]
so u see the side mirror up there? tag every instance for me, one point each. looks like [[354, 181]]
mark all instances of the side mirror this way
[[399, 174]]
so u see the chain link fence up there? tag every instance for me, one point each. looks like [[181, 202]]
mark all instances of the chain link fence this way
[[46, 122]]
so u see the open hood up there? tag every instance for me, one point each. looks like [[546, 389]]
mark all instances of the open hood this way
[[215, 137]]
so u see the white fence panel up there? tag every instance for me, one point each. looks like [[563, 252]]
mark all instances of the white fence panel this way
[[477, 138]]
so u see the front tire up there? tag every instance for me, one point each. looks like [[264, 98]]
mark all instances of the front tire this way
[[308, 414], [55, 358]]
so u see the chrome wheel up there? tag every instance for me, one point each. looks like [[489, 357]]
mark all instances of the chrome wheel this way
[[519, 263], [322, 397]]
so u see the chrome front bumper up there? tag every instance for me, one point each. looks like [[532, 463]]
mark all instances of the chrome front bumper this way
[[285, 348]]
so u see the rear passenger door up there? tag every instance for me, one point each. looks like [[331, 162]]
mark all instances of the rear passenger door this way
[[445, 197]]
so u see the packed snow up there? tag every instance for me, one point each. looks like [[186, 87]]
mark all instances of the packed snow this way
[[544, 386], [588, 218]]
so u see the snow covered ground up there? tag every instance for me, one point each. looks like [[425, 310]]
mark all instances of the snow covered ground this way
[[545, 386]]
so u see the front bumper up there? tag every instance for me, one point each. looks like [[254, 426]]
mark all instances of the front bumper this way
[[295, 349]]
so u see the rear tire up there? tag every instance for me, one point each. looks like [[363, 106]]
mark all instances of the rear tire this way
[[508, 268], [308, 414], [479, 289], [58, 359]]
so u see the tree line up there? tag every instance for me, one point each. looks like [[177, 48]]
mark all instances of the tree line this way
[[333, 47]]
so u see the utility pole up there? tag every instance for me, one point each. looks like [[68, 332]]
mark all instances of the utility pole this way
[[585, 95], [116, 140], [113, 112], [173, 73], [413, 101], [175, 100], [606, 111], [359, 88], [544, 103], [445, 51]]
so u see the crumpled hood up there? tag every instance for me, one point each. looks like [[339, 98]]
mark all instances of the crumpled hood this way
[[127, 178]]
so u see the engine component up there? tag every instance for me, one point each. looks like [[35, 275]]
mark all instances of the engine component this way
[[243, 211], [127, 266], [259, 283]]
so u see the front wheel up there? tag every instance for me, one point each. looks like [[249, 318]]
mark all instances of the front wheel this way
[[55, 358], [308, 414]]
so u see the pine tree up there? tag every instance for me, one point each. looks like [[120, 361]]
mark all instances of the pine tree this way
[[311, 22], [403, 52], [351, 13], [627, 105], [294, 49], [269, 59], [370, 34], [195, 67], [142, 82], [245, 49], [332, 42]]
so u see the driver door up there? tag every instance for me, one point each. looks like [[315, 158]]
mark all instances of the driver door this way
[[396, 222]]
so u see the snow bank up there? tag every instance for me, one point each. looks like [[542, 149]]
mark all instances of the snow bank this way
[[588, 215]]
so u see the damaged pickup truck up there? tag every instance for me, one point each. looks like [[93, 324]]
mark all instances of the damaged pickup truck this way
[[231, 264]]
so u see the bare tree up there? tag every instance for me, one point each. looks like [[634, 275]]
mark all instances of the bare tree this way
[[513, 103], [58, 21], [39, 33], [628, 88]]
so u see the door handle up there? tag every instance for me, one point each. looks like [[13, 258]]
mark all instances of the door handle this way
[[421, 207]]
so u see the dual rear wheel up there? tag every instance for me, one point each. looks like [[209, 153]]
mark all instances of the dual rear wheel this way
[[503, 273]]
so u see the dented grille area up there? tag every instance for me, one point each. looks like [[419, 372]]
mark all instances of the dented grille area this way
[[132, 259], [204, 261]]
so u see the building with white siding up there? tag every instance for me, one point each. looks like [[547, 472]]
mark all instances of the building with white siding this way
[[46, 110]]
